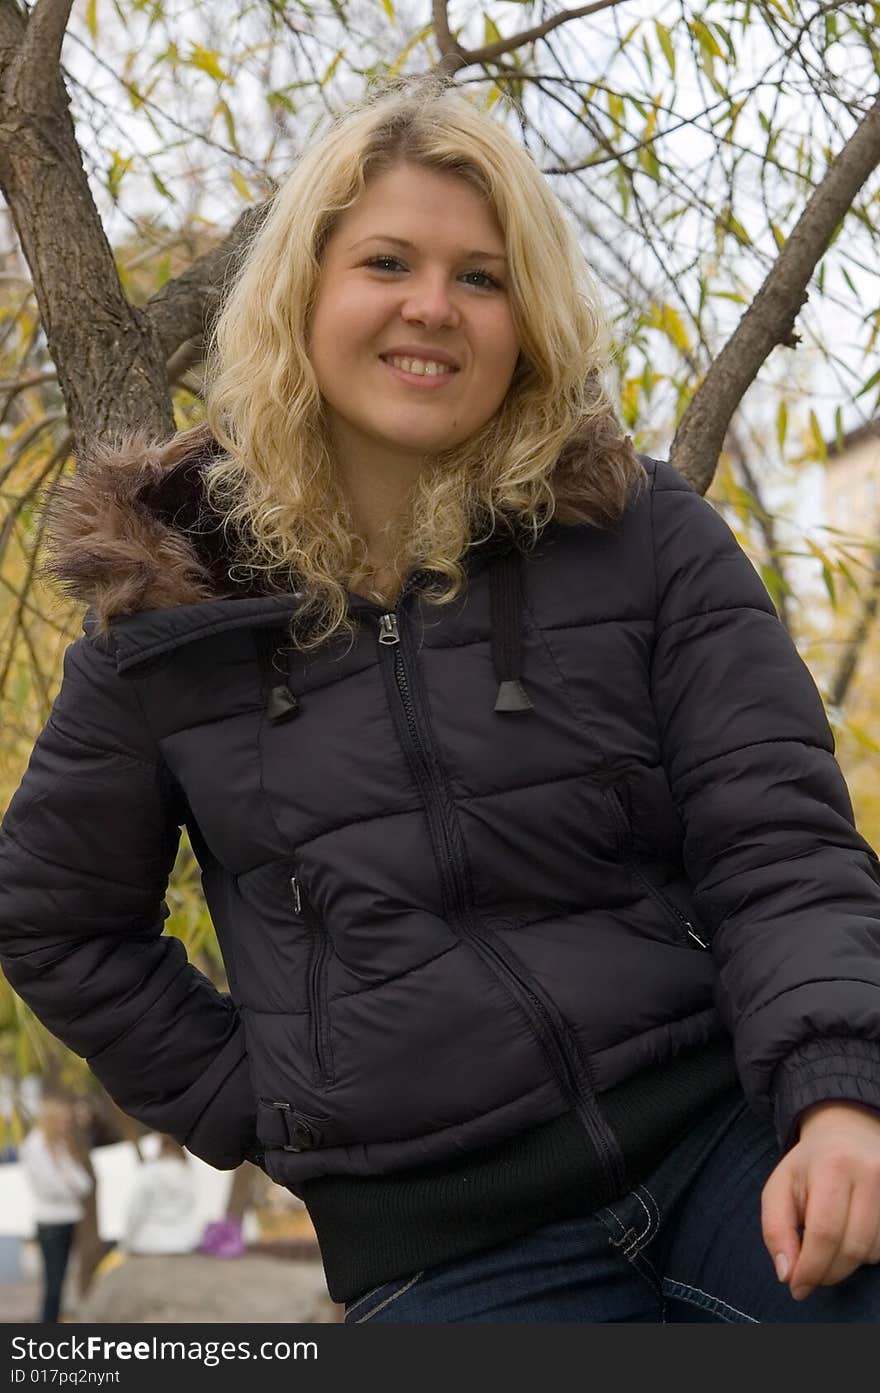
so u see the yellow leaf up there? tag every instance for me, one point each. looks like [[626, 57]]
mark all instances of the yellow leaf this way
[[389, 9], [629, 400], [207, 60], [92, 18], [242, 185], [817, 439], [667, 319]]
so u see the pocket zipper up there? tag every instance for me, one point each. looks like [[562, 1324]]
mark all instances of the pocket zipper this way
[[321, 1052], [681, 922]]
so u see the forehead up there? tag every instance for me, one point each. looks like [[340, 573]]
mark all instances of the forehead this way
[[410, 199]]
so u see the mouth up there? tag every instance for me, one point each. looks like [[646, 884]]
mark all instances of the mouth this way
[[417, 379]]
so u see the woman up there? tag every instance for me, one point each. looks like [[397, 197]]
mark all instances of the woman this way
[[545, 919], [58, 1184], [161, 1215]]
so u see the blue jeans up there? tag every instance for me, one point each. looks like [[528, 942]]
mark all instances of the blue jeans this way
[[685, 1245]]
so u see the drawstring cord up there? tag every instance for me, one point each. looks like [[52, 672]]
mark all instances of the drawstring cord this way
[[506, 601], [506, 619]]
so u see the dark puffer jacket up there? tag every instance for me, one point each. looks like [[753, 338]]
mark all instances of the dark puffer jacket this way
[[494, 887]]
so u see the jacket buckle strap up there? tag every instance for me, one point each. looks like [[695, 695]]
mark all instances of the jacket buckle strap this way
[[299, 1134]]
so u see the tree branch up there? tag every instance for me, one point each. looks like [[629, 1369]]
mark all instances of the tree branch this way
[[185, 306], [40, 49], [454, 57], [770, 318], [855, 644], [110, 368]]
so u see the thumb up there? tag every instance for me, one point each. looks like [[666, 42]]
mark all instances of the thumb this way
[[780, 1219]]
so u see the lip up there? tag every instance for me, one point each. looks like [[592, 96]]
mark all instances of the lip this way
[[412, 379]]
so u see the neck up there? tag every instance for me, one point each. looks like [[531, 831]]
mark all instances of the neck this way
[[378, 501]]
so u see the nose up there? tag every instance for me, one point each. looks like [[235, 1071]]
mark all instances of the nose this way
[[429, 303]]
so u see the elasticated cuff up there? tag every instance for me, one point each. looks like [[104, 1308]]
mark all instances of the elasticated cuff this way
[[842, 1069]]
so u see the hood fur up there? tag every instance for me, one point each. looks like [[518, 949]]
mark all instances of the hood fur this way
[[132, 530]]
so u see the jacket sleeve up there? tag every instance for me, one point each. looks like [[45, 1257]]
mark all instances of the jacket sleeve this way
[[786, 885], [86, 848]]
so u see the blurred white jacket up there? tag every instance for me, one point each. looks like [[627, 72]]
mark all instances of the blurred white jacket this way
[[57, 1183], [161, 1215]]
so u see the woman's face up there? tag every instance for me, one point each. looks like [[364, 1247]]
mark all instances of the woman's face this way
[[444, 292]]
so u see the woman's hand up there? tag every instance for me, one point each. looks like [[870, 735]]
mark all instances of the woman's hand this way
[[820, 1208]]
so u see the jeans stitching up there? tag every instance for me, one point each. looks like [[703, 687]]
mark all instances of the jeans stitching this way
[[653, 1212], [361, 1299], [685, 1292], [626, 1235], [637, 1261], [641, 1239], [393, 1296]]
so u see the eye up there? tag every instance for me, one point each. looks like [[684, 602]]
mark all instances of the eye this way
[[490, 281]]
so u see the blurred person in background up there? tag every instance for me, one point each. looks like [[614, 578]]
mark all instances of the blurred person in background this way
[[161, 1215], [59, 1184]]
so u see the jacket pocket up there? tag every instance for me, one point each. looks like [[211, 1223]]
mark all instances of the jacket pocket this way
[[687, 930], [321, 1049]]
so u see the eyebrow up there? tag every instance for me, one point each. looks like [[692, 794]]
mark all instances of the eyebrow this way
[[410, 246]]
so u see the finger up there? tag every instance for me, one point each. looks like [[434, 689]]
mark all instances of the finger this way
[[781, 1202], [825, 1221], [861, 1241]]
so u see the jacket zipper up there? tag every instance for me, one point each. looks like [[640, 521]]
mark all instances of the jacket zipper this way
[[562, 1054], [682, 925], [317, 984]]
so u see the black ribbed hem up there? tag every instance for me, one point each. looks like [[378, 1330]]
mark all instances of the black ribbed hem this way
[[374, 1229]]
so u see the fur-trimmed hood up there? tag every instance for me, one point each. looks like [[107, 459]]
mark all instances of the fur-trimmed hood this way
[[132, 530]]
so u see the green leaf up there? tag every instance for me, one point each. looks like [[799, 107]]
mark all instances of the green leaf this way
[[222, 109], [389, 9], [775, 584], [649, 163], [332, 68], [491, 32], [871, 382], [92, 18], [665, 41], [117, 171], [728, 223], [781, 425], [166, 193]]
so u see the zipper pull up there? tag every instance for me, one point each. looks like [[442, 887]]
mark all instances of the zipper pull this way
[[388, 631], [297, 902], [692, 933]]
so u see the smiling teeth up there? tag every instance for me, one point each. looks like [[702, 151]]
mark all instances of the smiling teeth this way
[[420, 366]]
